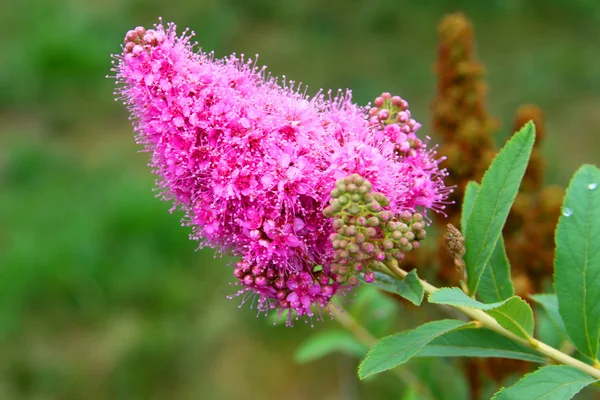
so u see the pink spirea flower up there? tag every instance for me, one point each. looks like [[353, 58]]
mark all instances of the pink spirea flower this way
[[252, 160]]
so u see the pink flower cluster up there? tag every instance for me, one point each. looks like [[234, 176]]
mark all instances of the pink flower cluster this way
[[252, 160]]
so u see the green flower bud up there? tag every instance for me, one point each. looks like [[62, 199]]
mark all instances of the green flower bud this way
[[343, 199], [410, 235], [354, 209], [356, 197], [335, 193], [373, 221]]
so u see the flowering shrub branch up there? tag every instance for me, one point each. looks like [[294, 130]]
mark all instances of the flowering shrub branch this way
[[315, 194]]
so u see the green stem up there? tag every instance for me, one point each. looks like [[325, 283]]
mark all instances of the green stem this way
[[363, 336], [490, 323]]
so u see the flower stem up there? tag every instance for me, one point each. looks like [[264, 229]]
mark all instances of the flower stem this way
[[363, 336], [489, 322]]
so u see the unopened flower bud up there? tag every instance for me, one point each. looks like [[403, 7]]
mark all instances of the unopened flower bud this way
[[371, 232], [417, 226], [417, 217], [356, 197], [388, 244], [343, 200], [131, 36], [379, 101], [353, 280], [338, 224], [409, 235], [368, 247], [260, 281], [354, 209], [360, 238], [248, 280], [373, 221], [369, 277]]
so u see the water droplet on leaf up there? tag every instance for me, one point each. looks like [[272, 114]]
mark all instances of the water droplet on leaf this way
[[593, 186], [567, 212]]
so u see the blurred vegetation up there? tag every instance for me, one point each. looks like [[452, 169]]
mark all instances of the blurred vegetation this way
[[102, 295]]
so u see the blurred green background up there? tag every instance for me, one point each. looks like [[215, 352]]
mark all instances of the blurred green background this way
[[102, 295]]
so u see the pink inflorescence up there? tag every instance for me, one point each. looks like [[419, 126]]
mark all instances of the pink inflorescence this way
[[252, 161]]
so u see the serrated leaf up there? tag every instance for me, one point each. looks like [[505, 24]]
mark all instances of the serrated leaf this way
[[395, 350], [411, 288], [577, 261], [327, 342], [495, 283], [478, 343], [514, 314], [467, 206], [554, 382], [493, 201], [550, 304]]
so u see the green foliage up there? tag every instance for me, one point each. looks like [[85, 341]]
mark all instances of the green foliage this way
[[467, 205], [554, 382], [493, 201], [514, 314], [577, 263], [326, 342], [411, 288], [479, 342], [495, 284], [397, 349], [550, 304]]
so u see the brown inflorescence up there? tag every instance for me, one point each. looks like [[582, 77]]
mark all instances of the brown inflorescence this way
[[460, 118]]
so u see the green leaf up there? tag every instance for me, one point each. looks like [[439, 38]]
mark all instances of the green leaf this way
[[493, 201], [495, 283], [456, 297], [395, 350], [577, 261], [514, 314], [554, 382], [326, 342], [478, 343], [411, 288], [467, 206], [550, 304]]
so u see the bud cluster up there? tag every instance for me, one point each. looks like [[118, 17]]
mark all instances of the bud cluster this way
[[365, 232], [283, 289], [136, 40], [391, 115]]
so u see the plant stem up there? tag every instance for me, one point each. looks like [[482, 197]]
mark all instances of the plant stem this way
[[363, 336], [490, 323]]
